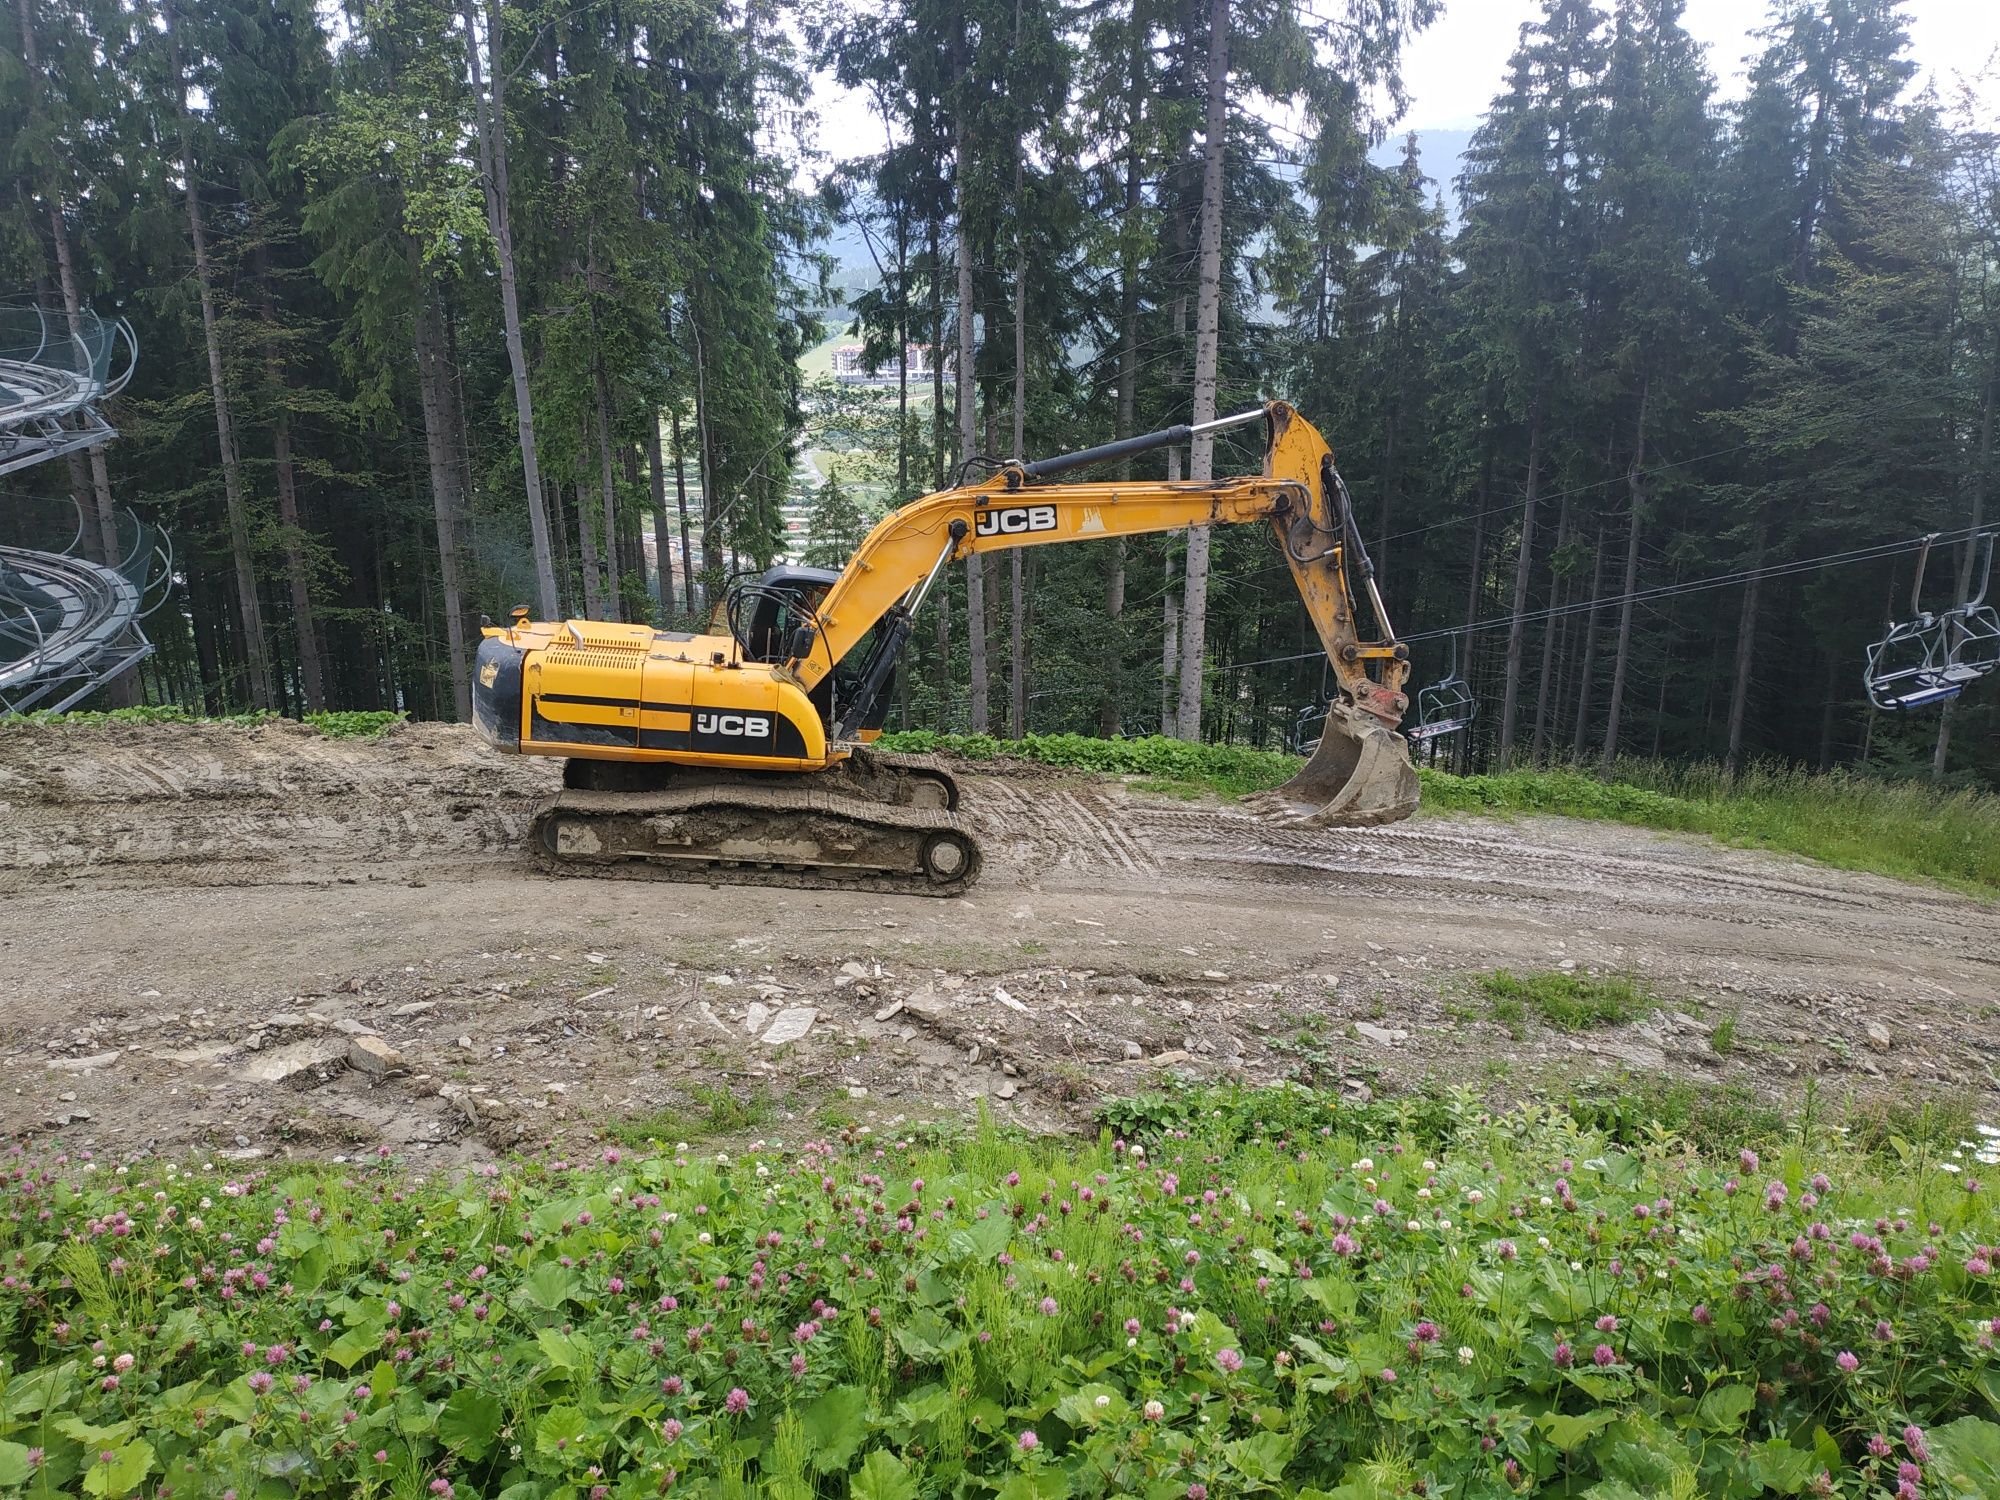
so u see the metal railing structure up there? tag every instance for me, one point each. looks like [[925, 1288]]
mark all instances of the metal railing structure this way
[[68, 623]]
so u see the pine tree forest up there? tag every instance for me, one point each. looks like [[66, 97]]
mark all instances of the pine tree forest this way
[[449, 306]]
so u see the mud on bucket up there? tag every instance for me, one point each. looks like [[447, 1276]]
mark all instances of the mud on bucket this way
[[1359, 776]]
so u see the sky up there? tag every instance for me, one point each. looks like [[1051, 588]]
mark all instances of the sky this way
[[1456, 67], [1453, 70]]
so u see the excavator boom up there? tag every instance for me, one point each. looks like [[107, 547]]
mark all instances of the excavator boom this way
[[678, 743]]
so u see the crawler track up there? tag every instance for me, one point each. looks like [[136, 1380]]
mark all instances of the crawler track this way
[[875, 823]]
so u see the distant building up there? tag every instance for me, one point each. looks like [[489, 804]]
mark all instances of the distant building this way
[[851, 367]]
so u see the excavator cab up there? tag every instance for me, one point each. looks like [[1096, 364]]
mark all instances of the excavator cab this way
[[776, 620]]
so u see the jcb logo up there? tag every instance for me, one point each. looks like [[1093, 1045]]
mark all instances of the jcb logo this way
[[747, 726], [1015, 520]]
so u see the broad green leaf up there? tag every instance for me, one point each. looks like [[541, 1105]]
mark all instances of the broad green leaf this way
[[1965, 1455], [1569, 1432], [1041, 1484], [882, 1477], [1778, 1466], [1724, 1408], [1082, 1408], [13, 1463], [564, 1351], [927, 1336], [469, 1422], [982, 1239], [129, 1464], [38, 1390], [354, 1345], [834, 1425], [548, 1287], [1262, 1457], [559, 1430], [94, 1438]]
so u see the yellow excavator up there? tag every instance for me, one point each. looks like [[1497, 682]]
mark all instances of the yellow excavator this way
[[742, 755]]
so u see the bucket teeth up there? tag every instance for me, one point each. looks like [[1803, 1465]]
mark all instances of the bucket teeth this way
[[1360, 776]]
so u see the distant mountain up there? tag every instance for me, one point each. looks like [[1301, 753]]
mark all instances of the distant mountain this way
[[1442, 153]]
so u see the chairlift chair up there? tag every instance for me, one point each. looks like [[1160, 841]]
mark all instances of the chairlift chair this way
[[1931, 658], [1445, 706]]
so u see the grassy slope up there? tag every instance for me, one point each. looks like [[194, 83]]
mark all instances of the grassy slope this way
[[1904, 829]]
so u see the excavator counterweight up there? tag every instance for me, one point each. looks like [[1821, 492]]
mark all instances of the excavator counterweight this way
[[741, 754]]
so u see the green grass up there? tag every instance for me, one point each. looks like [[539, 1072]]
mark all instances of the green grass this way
[[341, 724], [1568, 1002], [718, 1111], [1172, 766], [1907, 829]]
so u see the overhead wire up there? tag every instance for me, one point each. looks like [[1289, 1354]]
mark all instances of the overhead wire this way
[[1660, 591]]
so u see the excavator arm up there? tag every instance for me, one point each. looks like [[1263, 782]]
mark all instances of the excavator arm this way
[[1365, 776]]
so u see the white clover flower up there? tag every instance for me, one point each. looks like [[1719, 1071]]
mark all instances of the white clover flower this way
[[1547, 1201], [1465, 1354], [1153, 1411], [1475, 1196], [1366, 1164], [1101, 1402], [1424, 1193], [1413, 1226], [705, 1238], [1430, 1166], [1542, 1240]]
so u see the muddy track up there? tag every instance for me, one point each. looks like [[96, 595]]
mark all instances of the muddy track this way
[[181, 905]]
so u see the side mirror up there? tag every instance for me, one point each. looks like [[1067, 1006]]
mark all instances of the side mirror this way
[[801, 643]]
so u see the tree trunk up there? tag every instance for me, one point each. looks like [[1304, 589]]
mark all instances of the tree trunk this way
[[903, 382], [933, 234], [711, 511], [312, 681], [1589, 668], [681, 498], [1170, 658], [613, 583], [1966, 582], [586, 543], [1510, 699], [1622, 659], [1558, 598], [663, 543], [968, 416], [447, 504], [1017, 621], [1110, 711], [1207, 321], [102, 518], [256, 653], [1746, 653], [492, 121]]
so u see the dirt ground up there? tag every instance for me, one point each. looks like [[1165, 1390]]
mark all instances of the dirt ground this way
[[263, 942]]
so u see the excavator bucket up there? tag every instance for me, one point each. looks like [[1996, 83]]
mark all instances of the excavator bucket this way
[[1360, 776]]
